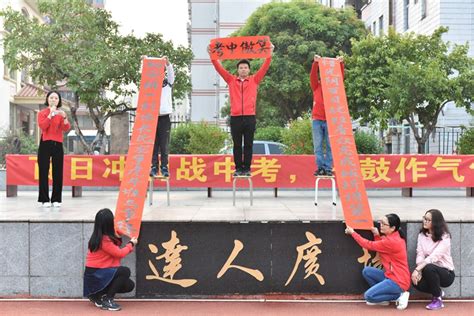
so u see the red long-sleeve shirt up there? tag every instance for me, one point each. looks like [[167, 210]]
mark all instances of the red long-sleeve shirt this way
[[52, 128], [318, 112], [108, 255], [243, 93], [393, 254]]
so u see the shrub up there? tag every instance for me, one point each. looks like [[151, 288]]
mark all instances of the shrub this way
[[16, 143], [180, 139], [367, 143], [205, 139], [298, 137], [466, 143], [270, 133]]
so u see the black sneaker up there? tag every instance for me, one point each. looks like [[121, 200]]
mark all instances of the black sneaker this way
[[165, 172], [329, 173], [109, 304], [98, 302], [153, 171], [321, 172], [246, 173], [237, 173]]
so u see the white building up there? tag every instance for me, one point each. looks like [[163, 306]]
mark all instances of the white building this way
[[423, 17], [20, 99], [212, 19]]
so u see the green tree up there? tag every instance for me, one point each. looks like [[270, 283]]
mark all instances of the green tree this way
[[80, 47], [299, 30], [466, 142], [408, 77]]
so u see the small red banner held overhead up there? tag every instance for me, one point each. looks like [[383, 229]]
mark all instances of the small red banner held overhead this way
[[240, 47]]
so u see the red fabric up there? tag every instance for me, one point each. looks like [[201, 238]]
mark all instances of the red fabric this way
[[318, 112], [393, 254], [108, 255], [243, 94], [52, 129]]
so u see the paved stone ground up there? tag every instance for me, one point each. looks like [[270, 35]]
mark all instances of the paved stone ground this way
[[291, 205], [197, 308]]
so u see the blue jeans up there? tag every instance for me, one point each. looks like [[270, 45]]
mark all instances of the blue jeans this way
[[320, 135], [381, 288]]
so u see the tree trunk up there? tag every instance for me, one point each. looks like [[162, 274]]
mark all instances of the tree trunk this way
[[75, 124]]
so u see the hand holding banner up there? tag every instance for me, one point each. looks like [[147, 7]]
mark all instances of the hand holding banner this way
[[240, 47]]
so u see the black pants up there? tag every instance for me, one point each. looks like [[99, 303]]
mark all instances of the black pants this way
[[50, 150], [433, 278], [162, 140], [121, 283], [242, 126]]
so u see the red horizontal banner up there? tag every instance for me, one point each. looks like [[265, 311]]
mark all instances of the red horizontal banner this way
[[240, 47], [269, 171]]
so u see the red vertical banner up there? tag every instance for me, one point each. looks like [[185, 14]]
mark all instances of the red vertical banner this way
[[355, 203], [133, 188]]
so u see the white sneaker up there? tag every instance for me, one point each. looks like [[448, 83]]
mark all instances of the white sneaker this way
[[56, 204], [384, 303], [46, 204], [402, 301]]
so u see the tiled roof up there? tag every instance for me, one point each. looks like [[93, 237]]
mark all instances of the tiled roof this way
[[31, 91]]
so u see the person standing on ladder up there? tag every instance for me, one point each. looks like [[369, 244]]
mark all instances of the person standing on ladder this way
[[320, 127], [243, 100], [162, 137]]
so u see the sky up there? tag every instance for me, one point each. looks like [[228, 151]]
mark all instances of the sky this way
[[168, 17]]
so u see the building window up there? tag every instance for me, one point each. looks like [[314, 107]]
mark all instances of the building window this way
[[8, 73], [406, 4], [381, 25], [423, 9], [24, 75], [390, 13], [25, 13]]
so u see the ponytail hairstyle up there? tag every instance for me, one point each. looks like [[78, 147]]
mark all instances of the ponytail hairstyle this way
[[438, 225], [103, 226], [394, 221]]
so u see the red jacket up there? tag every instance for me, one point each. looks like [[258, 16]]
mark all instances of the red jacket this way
[[243, 94], [318, 112], [52, 129], [108, 255], [393, 254]]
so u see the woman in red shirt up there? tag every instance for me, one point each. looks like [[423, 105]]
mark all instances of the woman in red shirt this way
[[104, 276], [53, 123], [393, 284]]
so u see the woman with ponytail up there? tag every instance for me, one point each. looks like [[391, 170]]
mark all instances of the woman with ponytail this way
[[393, 283]]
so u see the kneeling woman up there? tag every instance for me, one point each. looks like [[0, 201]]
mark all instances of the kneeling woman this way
[[393, 284], [104, 276], [434, 264]]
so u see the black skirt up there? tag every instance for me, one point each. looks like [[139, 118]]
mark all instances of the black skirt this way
[[97, 279]]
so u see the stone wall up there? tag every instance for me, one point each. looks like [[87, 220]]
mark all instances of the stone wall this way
[[46, 259]]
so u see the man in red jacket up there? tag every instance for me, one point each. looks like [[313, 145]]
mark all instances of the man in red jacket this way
[[243, 99], [320, 126]]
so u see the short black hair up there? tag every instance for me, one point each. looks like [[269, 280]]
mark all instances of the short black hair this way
[[243, 61]]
